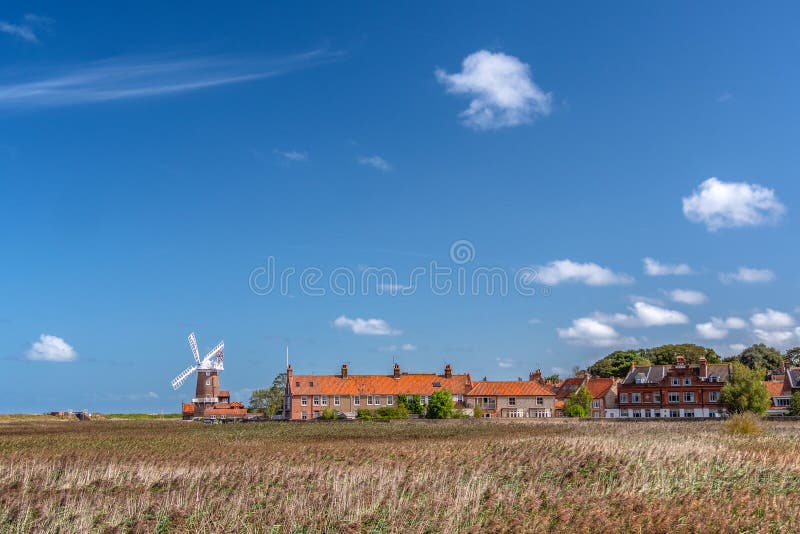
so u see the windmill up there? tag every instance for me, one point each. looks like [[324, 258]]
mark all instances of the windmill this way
[[206, 393]]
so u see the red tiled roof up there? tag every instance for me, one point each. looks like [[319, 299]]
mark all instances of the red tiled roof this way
[[187, 409], [517, 388], [411, 384], [224, 393], [775, 389], [599, 386]]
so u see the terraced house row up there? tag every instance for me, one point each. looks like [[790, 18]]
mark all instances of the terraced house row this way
[[680, 390]]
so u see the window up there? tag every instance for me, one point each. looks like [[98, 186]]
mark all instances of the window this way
[[713, 396], [636, 397], [297, 383], [208, 382], [623, 397], [623, 413], [636, 413], [688, 413], [389, 400], [688, 396], [303, 401], [316, 414], [303, 415], [512, 401], [337, 400], [311, 383], [596, 403], [657, 413], [675, 382], [540, 401], [324, 400], [357, 400], [687, 381], [648, 413], [316, 400], [657, 397], [782, 401], [713, 378], [674, 396], [369, 400], [674, 413]]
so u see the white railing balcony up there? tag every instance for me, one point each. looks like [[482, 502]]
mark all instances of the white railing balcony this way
[[205, 400]]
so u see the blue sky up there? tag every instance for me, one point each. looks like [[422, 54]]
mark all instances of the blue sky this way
[[153, 158]]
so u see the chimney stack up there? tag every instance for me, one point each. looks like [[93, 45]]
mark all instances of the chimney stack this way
[[680, 361], [344, 370], [289, 373], [703, 367], [536, 376], [448, 371], [397, 370]]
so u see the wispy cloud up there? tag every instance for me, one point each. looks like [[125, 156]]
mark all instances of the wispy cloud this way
[[376, 162], [25, 31], [590, 274], [292, 155], [654, 267], [406, 347], [366, 327], [748, 275], [688, 296], [129, 78], [505, 363]]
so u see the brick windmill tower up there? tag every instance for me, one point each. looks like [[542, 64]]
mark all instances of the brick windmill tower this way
[[207, 392]]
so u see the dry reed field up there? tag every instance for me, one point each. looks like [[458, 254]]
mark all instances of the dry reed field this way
[[407, 476]]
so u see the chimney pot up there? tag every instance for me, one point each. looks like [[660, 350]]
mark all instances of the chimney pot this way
[[344, 370], [448, 371], [397, 370]]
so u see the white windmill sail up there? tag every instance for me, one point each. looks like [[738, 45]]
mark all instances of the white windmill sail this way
[[213, 360], [181, 378], [193, 344]]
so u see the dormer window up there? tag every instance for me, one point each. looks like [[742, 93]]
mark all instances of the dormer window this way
[[437, 384], [297, 384], [640, 378], [713, 378], [311, 383]]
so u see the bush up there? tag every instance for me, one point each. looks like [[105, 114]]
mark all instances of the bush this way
[[329, 414], [387, 412], [440, 405], [477, 412], [746, 423]]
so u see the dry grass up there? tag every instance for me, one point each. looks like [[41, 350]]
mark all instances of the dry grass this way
[[556, 476]]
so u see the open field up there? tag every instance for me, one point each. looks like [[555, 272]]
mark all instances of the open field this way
[[556, 476]]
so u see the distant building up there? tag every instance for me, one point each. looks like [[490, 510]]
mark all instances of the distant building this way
[[307, 396], [679, 390], [513, 399], [602, 390]]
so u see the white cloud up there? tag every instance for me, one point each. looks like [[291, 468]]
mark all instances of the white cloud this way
[[376, 162], [688, 296], [366, 327], [592, 332], [776, 338], [748, 275], [590, 274], [293, 155], [719, 328], [505, 363], [128, 78], [644, 315], [772, 320], [22, 31], [406, 347], [737, 348], [51, 349], [535, 320], [502, 90], [719, 204], [655, 268]]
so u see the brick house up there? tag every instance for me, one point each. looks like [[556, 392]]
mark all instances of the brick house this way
[[307, 396], [515, 399], [602, 390], [781, 385], [679, 390]]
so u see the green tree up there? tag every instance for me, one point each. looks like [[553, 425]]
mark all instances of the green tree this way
[[552, 379], [666, 354], [269, 401], [760, 355], [440, 406], [794, 408], [413, 404], [579, 403], [617, 364], [744, 390], [793, 356]]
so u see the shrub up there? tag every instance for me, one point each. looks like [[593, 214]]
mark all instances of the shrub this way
[[329, 414], [744, 391], [579, 403], [387, 412], [477, 412], [440, 405], [746, 423]]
